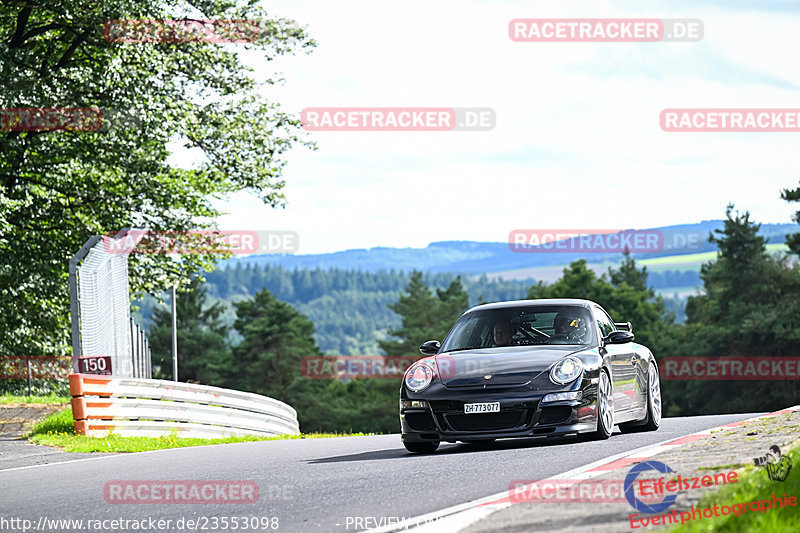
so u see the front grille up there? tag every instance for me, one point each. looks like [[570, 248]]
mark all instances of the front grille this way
[[420, 421], [485, 421]]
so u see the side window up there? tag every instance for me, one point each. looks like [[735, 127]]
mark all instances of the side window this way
[[604, 322]]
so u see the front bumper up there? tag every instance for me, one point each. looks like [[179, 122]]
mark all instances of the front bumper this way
[[521, 415]]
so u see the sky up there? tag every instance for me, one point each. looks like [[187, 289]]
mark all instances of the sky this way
[[577, 141]]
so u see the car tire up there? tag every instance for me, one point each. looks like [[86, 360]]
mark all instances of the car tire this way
[[605, 409], [421, 447], [652, 419]]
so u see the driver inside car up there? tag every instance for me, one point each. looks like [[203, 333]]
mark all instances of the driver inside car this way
[[502, 334], [569, 326]]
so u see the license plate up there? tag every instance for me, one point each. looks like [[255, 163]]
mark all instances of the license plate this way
[[489, 407]]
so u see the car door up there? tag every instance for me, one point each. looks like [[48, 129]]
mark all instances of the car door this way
[[623, 372]]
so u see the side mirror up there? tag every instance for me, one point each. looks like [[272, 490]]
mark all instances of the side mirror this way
[[619, 337], [430, 348]]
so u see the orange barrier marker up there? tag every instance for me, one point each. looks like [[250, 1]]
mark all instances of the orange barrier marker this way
[[79, 408], [75, 385], [80, 423]]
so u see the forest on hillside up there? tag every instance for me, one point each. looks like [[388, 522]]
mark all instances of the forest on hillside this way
[[748, 307], [349, 308]]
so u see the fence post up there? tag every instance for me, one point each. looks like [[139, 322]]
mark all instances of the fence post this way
[[174, 338], [140, 354]]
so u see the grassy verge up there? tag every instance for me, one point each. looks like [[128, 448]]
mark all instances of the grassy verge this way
[[57, 430], [51, 398], [753, 485]]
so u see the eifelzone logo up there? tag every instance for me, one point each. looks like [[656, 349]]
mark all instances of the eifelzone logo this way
[[636, 503], [777, 465]]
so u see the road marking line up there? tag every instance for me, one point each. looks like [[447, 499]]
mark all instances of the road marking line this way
[[458, 517]]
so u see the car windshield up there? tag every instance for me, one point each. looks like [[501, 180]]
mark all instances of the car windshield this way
[[521, 326]]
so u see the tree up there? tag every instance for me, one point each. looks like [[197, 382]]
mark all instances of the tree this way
[[577, 281], [203, 353], [626, 297], [628, 273], [734, 281], [57, 188], [275, 339], [750, 307], [793, 240], [424, 316]]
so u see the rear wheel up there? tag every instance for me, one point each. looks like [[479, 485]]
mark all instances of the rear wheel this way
[[652, 419], [421, 447], [605, 409]]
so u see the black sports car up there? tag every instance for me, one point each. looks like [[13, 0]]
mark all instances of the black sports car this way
[[529, 368]]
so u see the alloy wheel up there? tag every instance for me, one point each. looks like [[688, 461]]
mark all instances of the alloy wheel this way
[[655, 394], [606, 403]]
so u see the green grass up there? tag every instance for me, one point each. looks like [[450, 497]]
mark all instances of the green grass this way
[[679, 259], [732, 466], [57, 430], [58, 422], [51, 398], [702, 256], [753, 485]]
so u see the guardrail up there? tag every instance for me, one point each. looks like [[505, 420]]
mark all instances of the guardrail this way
[[154, 407]]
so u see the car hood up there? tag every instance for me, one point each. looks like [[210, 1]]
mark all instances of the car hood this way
[[513, 366]]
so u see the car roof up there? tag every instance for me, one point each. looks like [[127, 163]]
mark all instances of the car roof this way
[[527, 303]]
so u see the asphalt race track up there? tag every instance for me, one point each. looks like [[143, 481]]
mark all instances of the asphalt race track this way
[[313, 484]]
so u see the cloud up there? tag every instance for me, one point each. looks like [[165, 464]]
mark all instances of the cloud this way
[[577, 141]]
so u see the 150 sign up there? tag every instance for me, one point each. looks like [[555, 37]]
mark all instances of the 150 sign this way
[[96, 365]]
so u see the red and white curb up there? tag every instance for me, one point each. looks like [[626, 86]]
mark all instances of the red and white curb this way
[[460, 516]]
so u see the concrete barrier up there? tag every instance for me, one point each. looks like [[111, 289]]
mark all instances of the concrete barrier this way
[[154, 407]]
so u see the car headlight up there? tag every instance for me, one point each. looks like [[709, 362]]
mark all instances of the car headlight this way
[[419, 376], [566, 370]]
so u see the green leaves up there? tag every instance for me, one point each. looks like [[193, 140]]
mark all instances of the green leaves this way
[[623, 293], [424, 316], [203, 353], [793, 241], [57, 188], [275, 339]]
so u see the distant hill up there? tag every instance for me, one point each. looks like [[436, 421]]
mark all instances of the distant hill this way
[[474, 258], [346, 293]]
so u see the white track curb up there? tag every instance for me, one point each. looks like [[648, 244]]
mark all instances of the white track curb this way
[[460, 516]]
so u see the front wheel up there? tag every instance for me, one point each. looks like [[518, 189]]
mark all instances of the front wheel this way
[[421, 447], [652, 419], [605, 409]]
